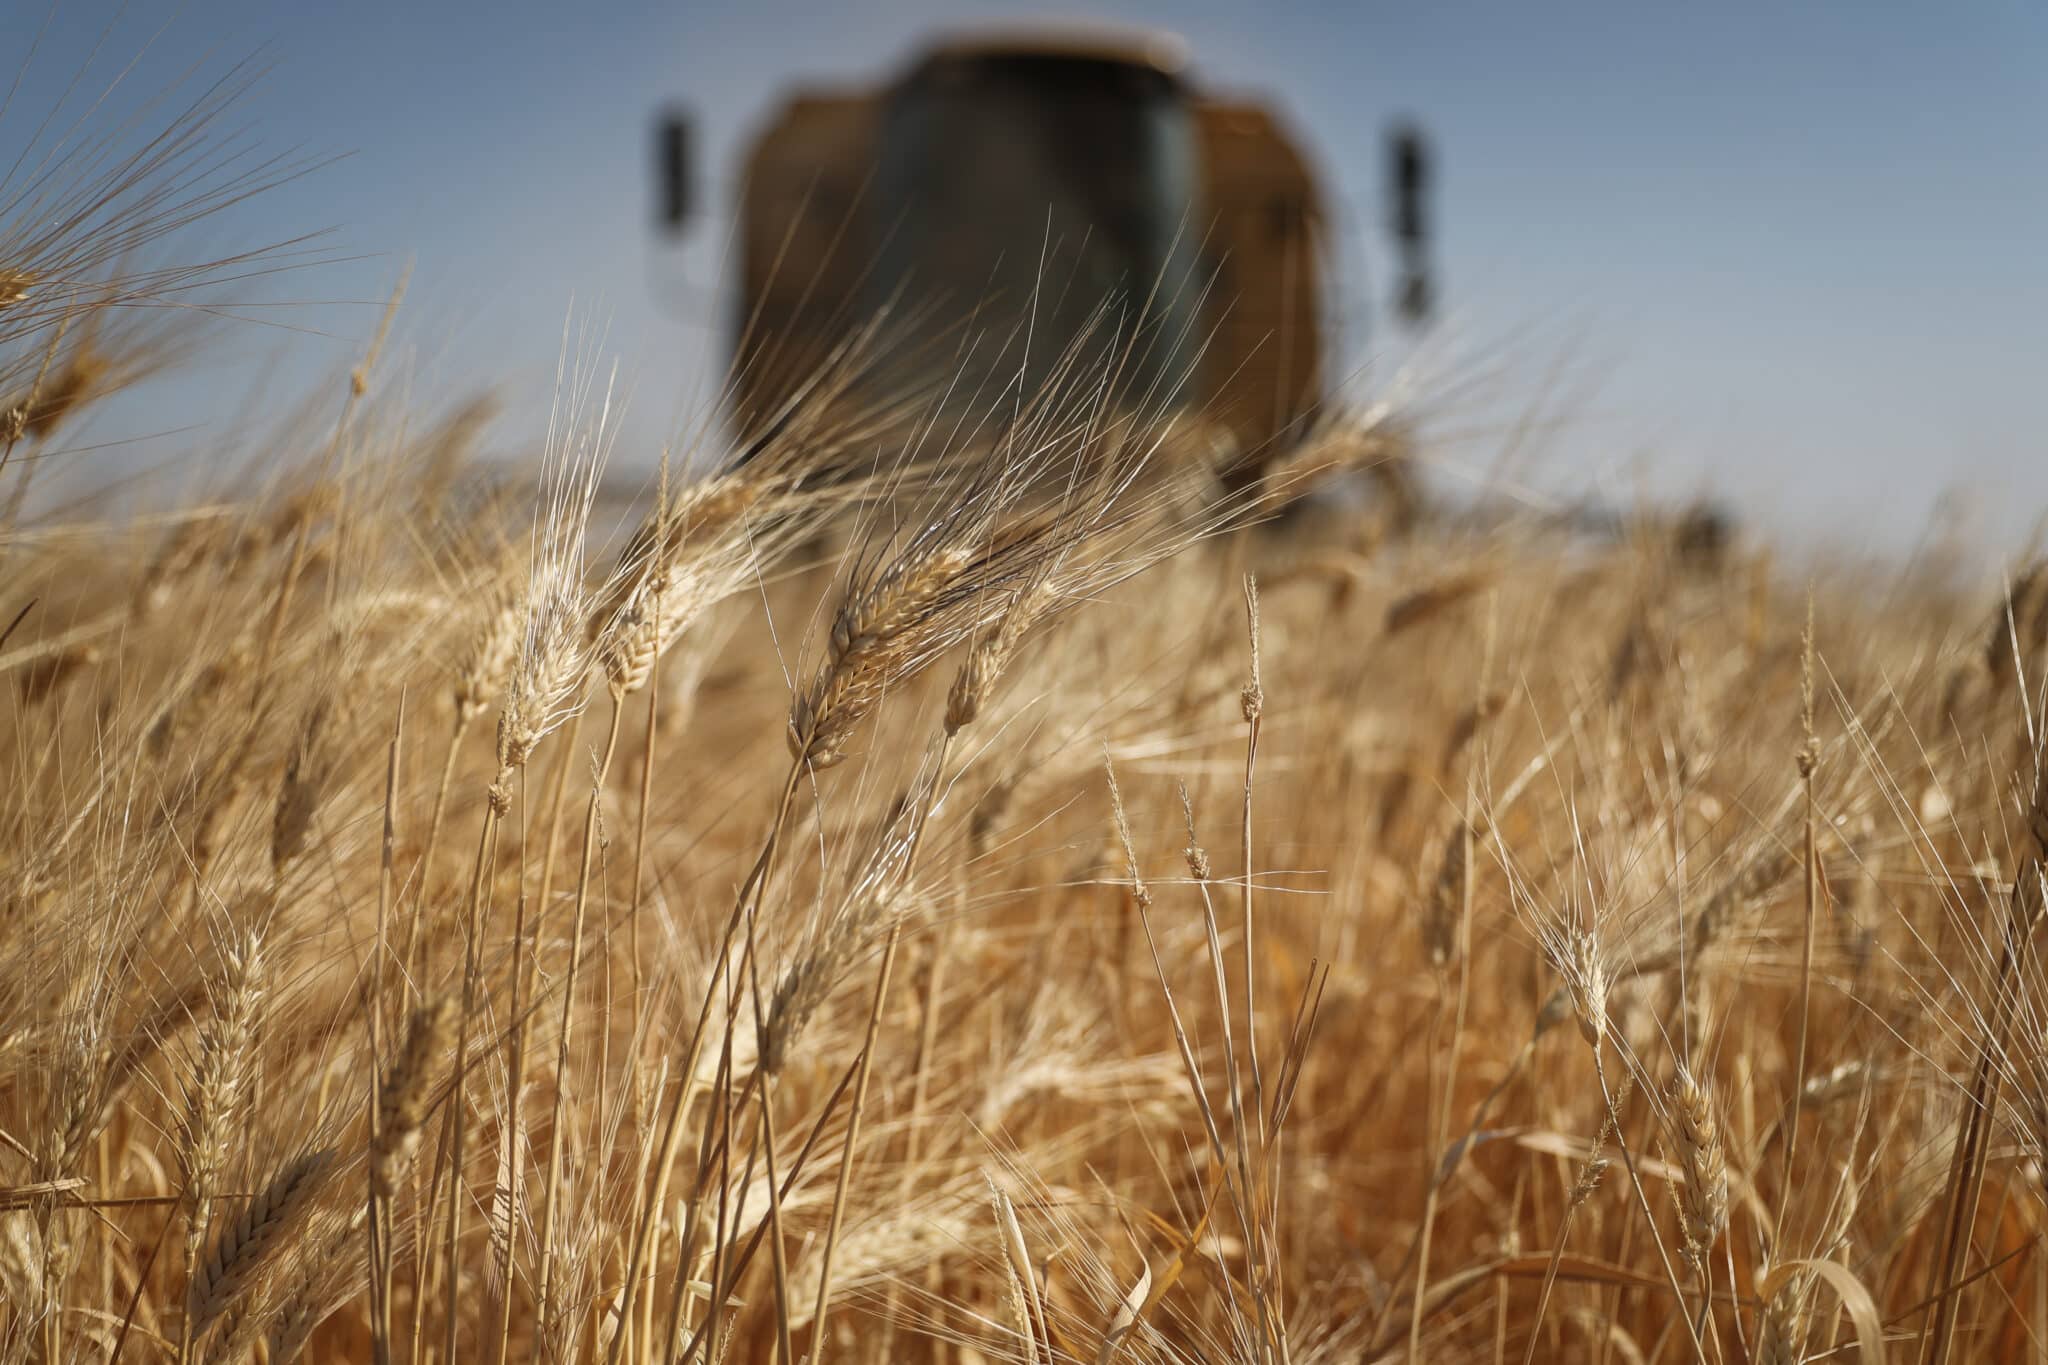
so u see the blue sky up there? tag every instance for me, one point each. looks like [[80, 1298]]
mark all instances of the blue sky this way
[[1790, 254]]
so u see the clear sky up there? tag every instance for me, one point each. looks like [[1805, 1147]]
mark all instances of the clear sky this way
[[1788, 254]]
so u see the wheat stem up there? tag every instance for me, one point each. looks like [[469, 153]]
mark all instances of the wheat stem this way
[[377, 1221], [566, 1030], [497, 799], [672, 1124]]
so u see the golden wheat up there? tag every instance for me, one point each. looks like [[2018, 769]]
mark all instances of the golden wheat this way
[[745, 1062]]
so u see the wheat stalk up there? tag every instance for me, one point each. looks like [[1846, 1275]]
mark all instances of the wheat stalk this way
[[247, 1244], [1703, 1197], [217, 1092]]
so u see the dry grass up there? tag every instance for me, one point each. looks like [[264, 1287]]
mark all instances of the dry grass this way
[[1020, 908]]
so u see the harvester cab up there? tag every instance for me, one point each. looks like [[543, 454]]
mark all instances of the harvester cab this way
[[1024, 206]]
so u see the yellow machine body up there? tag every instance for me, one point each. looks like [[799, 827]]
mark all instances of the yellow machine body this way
[[812, 238]]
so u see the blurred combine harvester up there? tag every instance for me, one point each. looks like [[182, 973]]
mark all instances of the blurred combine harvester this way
[[1016, 201]]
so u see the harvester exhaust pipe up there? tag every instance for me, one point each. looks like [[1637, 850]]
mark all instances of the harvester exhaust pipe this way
[[1408, 176]]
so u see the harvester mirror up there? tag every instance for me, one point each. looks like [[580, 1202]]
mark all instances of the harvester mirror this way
[[672, 169], [1408, 175]]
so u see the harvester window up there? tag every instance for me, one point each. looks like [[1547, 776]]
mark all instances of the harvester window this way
[[1048, 196]]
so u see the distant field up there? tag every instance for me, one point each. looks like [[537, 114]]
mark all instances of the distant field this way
[[1036, 903]]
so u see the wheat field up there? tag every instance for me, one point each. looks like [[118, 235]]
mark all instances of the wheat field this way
[[1001, 896]]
